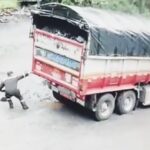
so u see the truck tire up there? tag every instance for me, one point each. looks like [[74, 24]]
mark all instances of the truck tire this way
[[126, 102], [104, 107]]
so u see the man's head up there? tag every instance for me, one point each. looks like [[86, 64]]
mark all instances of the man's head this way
[[9, 73]]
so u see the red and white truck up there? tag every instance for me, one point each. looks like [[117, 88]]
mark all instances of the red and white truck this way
[[96, 58]]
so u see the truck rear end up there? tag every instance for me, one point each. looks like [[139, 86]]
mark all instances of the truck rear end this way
[[59, 45], [91, 58]]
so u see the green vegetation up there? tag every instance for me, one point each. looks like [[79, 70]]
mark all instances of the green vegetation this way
[[8, 4], [128, 6]]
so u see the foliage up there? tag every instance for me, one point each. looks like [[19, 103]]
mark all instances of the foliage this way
[[128, 6]]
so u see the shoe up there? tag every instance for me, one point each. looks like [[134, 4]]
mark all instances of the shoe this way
[[3, 99], [24, 106], [11, 106]]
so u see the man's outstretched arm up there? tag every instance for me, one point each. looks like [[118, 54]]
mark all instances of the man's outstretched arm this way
[[22, 76]]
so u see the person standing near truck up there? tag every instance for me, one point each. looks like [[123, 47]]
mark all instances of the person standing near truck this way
[[9, 86]]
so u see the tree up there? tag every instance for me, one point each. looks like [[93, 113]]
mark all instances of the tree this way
[[141, 5]]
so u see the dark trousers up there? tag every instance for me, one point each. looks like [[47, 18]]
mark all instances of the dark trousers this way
[[16, 94]]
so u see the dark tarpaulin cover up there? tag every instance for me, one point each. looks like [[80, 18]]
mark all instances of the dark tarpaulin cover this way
[[111, 34]]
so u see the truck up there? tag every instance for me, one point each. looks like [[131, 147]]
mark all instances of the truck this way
[[96, 58]]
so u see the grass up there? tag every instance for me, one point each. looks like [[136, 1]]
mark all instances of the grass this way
[[8, 4]]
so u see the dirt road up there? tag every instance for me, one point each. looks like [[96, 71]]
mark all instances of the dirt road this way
[[50, 125]]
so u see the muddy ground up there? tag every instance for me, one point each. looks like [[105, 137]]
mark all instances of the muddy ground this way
[[50, 125]]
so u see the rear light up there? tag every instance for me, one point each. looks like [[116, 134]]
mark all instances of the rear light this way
[[56, 75], [75, 81], [71, 79], [68, 77], [38, 66]]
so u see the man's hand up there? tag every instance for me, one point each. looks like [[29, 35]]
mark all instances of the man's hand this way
[[26, 74]]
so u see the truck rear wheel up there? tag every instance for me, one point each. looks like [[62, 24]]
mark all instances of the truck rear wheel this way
[[104, 107], [126, 102]]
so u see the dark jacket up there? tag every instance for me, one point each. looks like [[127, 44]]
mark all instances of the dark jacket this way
[[10, 84]]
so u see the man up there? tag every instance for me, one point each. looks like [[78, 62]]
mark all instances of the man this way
[[10, 85]]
